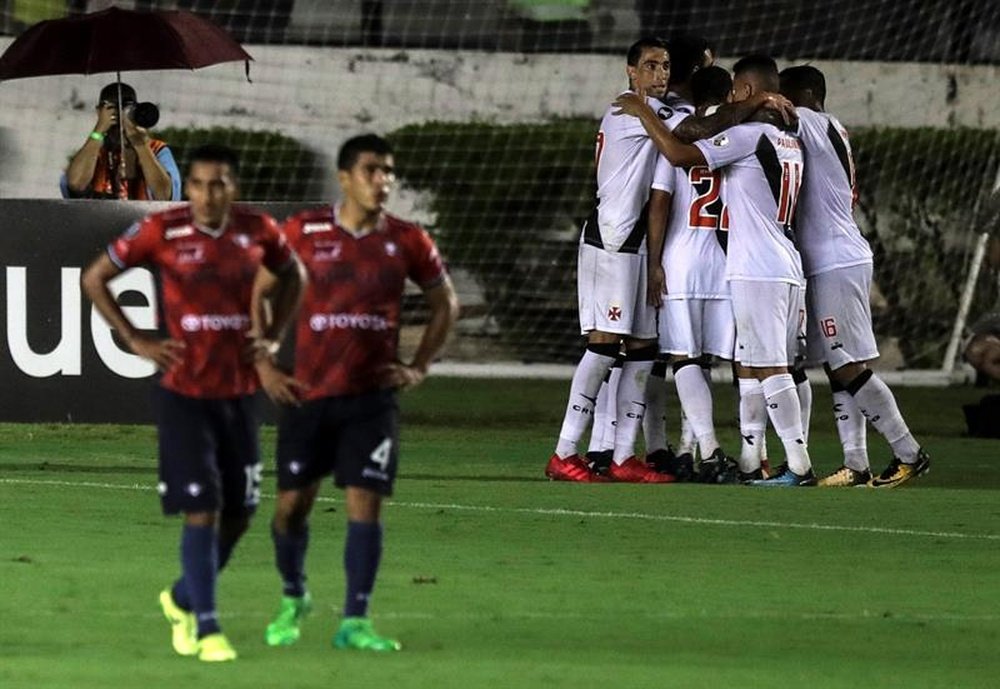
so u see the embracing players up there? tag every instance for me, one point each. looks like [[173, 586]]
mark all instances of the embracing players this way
[[838, 264]]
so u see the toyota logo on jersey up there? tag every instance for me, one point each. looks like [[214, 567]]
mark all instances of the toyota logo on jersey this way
[[195, 322], [319, 322]]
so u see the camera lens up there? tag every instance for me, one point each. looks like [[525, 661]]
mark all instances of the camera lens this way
[[145, 115]]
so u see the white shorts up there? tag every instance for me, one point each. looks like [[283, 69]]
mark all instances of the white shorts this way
[[839, 331], [612, 293], [692, 327], [770, 322]]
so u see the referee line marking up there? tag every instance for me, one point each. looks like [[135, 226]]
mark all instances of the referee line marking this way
[[564, 512]]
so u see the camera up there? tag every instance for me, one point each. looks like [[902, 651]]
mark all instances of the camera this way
[[144, 115]]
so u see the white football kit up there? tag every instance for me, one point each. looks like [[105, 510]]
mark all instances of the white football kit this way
[[697, 316], [762, 172], [611, 270], [836, 257]]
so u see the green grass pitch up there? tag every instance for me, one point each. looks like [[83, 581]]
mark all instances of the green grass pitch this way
[[494, 577]]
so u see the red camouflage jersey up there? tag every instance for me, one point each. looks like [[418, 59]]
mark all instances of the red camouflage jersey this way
[[348, 327], [206, 279]]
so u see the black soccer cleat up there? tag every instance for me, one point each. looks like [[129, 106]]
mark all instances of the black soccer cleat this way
[[718, 468]]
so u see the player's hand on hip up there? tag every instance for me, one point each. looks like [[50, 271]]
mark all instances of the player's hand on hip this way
[[629, 103], [280, 387], [400, 375], [781, 105], [164, 353], [656, 286]]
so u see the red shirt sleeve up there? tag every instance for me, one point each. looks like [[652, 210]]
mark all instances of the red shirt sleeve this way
[[425, 265], [277, 253], [137, 244]]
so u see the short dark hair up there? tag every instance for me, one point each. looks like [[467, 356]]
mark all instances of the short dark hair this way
[[687, 53], [110, 94], [762, 66], [635, 50], [804, 78], [352, 149], [215, 153], [710, 85]]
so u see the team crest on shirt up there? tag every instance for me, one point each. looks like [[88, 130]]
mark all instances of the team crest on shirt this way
[[721, 141], [242, 240], [664, 113], [614, 313], [391, 249]]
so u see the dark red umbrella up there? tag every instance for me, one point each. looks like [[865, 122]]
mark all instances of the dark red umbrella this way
[[117, 40]]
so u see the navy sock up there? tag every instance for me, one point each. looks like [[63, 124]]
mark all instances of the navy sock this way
[[180, 594], [179, 590], [200, 561], [290, 559], [362, 553]]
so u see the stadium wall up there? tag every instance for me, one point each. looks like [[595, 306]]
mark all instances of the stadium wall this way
[[321, 96]]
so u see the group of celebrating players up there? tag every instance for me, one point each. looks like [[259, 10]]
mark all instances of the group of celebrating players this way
[[724, 230]]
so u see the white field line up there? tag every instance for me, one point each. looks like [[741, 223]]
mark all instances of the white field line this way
[[562, 512]]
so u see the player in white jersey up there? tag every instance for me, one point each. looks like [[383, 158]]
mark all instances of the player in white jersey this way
[[838, 264], [696, 318], [611, 280], [763, 169]]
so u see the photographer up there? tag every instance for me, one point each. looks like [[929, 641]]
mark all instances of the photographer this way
[[99, 171]]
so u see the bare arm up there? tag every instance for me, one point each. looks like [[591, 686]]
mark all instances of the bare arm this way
[[732, 114], [82, 165], [157, 178], [275, 299], [659, 213], [679, 154], [443, 304], [164, 353]]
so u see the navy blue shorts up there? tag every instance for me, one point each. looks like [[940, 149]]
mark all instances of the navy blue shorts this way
[[354, 437], [209, 453]]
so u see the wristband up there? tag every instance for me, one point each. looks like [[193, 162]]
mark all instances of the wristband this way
[[97, 136]]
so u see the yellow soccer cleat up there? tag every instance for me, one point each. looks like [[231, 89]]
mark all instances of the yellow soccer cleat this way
[[846, 477], [215, 648], [183, 626], [899, 472]]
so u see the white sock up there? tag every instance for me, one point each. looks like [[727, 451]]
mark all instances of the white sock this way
[[610, 407], [600, 419], [631, 407], [877, 403], [582, 396], [753, 424], [696, 400], [688, 442], [805, 393], [852, 429], [654, 422], [786, 417]]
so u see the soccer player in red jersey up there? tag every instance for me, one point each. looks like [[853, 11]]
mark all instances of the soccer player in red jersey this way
[[208, 254], [346, 422]]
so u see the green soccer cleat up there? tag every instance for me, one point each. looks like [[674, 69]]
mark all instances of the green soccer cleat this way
[[215, 648], [357, 633], [845, 477], [284, 630], [183, 626], [899, 472]]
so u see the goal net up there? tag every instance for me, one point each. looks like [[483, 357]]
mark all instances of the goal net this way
[[492, 106]]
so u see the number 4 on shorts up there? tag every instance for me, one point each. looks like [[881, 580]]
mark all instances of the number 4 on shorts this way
[[380, 455]]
